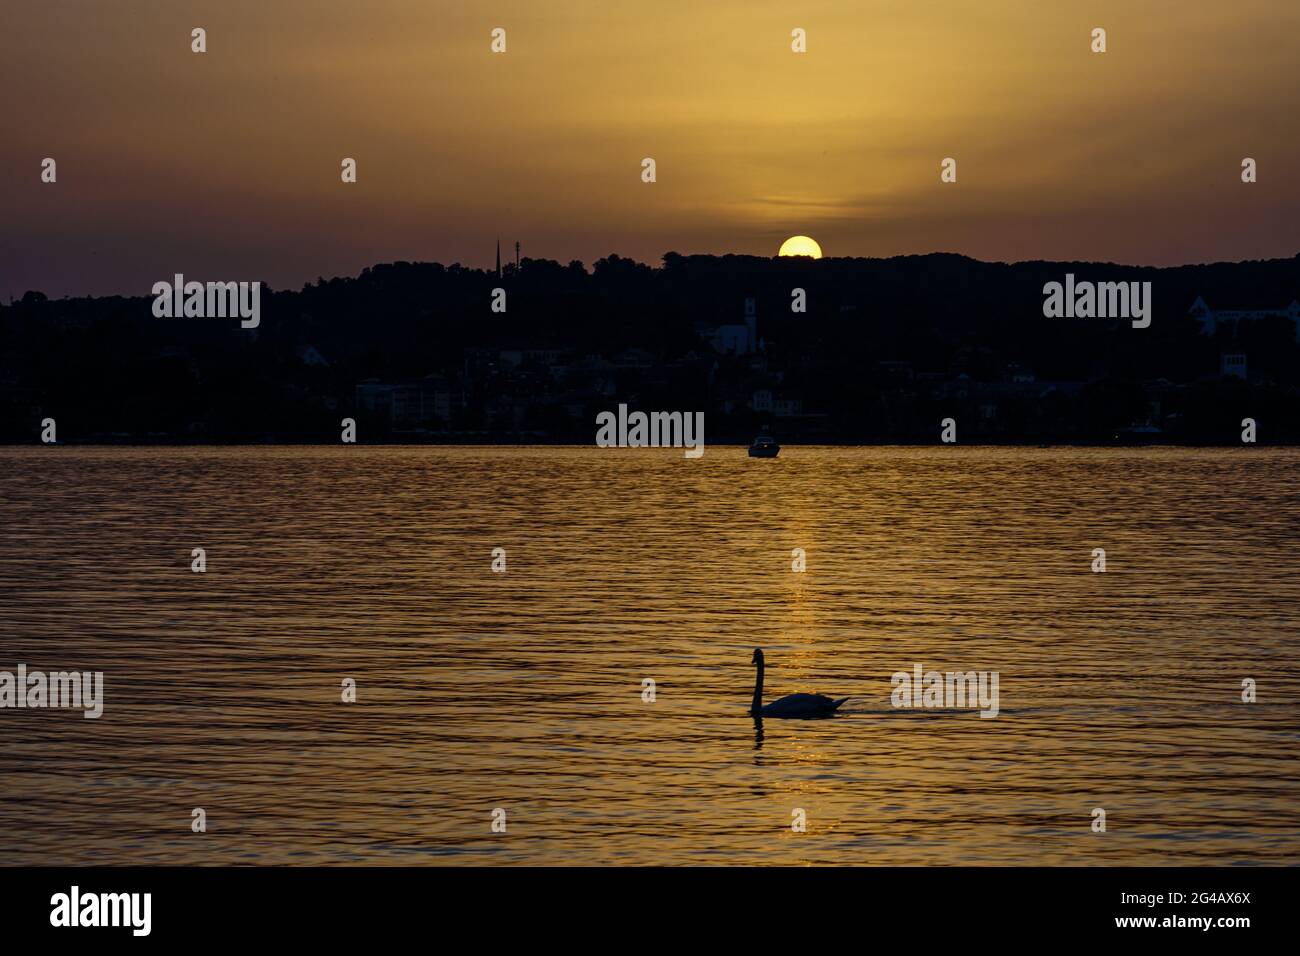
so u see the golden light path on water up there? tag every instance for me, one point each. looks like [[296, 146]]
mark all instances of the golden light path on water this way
[[523, 690]]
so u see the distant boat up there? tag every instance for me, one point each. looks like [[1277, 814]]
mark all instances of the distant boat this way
[[1143, 433], [764, 446]]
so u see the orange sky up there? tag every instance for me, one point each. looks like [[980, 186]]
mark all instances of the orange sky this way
[[226, 164]]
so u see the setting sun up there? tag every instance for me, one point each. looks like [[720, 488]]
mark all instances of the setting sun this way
[[800, 246]]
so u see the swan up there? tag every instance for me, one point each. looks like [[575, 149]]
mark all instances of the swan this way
[[792, 705]]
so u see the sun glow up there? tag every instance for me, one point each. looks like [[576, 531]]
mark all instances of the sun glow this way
[[800, 246]]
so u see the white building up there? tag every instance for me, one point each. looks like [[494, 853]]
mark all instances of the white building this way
[[1211, 319], [737, 339]]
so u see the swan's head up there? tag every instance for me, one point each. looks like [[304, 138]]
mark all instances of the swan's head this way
[[758, 656]]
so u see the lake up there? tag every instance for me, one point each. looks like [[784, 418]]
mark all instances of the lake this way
[[524, 691]]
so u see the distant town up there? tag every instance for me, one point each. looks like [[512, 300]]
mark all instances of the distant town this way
[[882, 351]]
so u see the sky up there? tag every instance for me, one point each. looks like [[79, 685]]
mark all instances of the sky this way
[[226, 165]]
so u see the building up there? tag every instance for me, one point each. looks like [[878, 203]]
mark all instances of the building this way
[[764, 400], [436, 399], [1232, 363], [1017, 374], [516, 358], [310, 355], [1211, 319], [894, 372], [407, 405], [395, 403], [787, 407], [736, 339], [635, 358]]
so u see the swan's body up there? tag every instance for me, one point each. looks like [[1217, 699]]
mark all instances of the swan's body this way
[[800, 705], [792, 705]]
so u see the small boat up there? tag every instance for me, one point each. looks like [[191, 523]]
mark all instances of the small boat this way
[[764, 446]]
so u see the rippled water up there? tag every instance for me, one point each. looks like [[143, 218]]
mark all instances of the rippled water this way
[[523, 690]]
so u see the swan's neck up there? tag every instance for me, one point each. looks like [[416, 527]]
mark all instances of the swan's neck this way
[[758, 690]]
